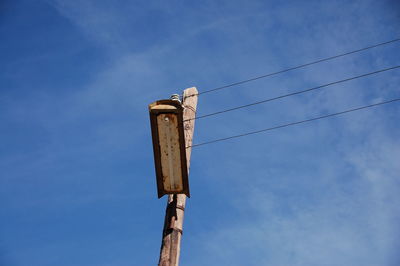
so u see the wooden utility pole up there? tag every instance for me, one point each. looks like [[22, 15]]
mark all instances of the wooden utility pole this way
[[173, 224]]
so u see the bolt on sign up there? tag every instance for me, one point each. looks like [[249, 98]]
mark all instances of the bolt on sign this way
[[166, 119]]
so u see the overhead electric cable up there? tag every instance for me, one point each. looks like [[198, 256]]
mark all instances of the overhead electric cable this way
[[299, 66], [297, 92], [296, 123]]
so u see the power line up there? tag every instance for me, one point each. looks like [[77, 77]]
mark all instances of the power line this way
[[297, 92], [296, 123], [299, 66]]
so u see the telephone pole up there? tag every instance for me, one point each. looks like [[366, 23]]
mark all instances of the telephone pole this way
[[173, 223]]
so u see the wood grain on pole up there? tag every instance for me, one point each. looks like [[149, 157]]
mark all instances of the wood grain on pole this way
[[173, 224]]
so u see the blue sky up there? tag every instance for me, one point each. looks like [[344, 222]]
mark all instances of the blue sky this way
[[77, 183]]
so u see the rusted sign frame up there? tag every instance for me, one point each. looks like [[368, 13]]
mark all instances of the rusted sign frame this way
[[156, 145]]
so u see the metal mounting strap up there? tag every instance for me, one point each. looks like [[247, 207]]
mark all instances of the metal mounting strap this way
[[190, 108], [175, 207], [170, 230], [180, 207]]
